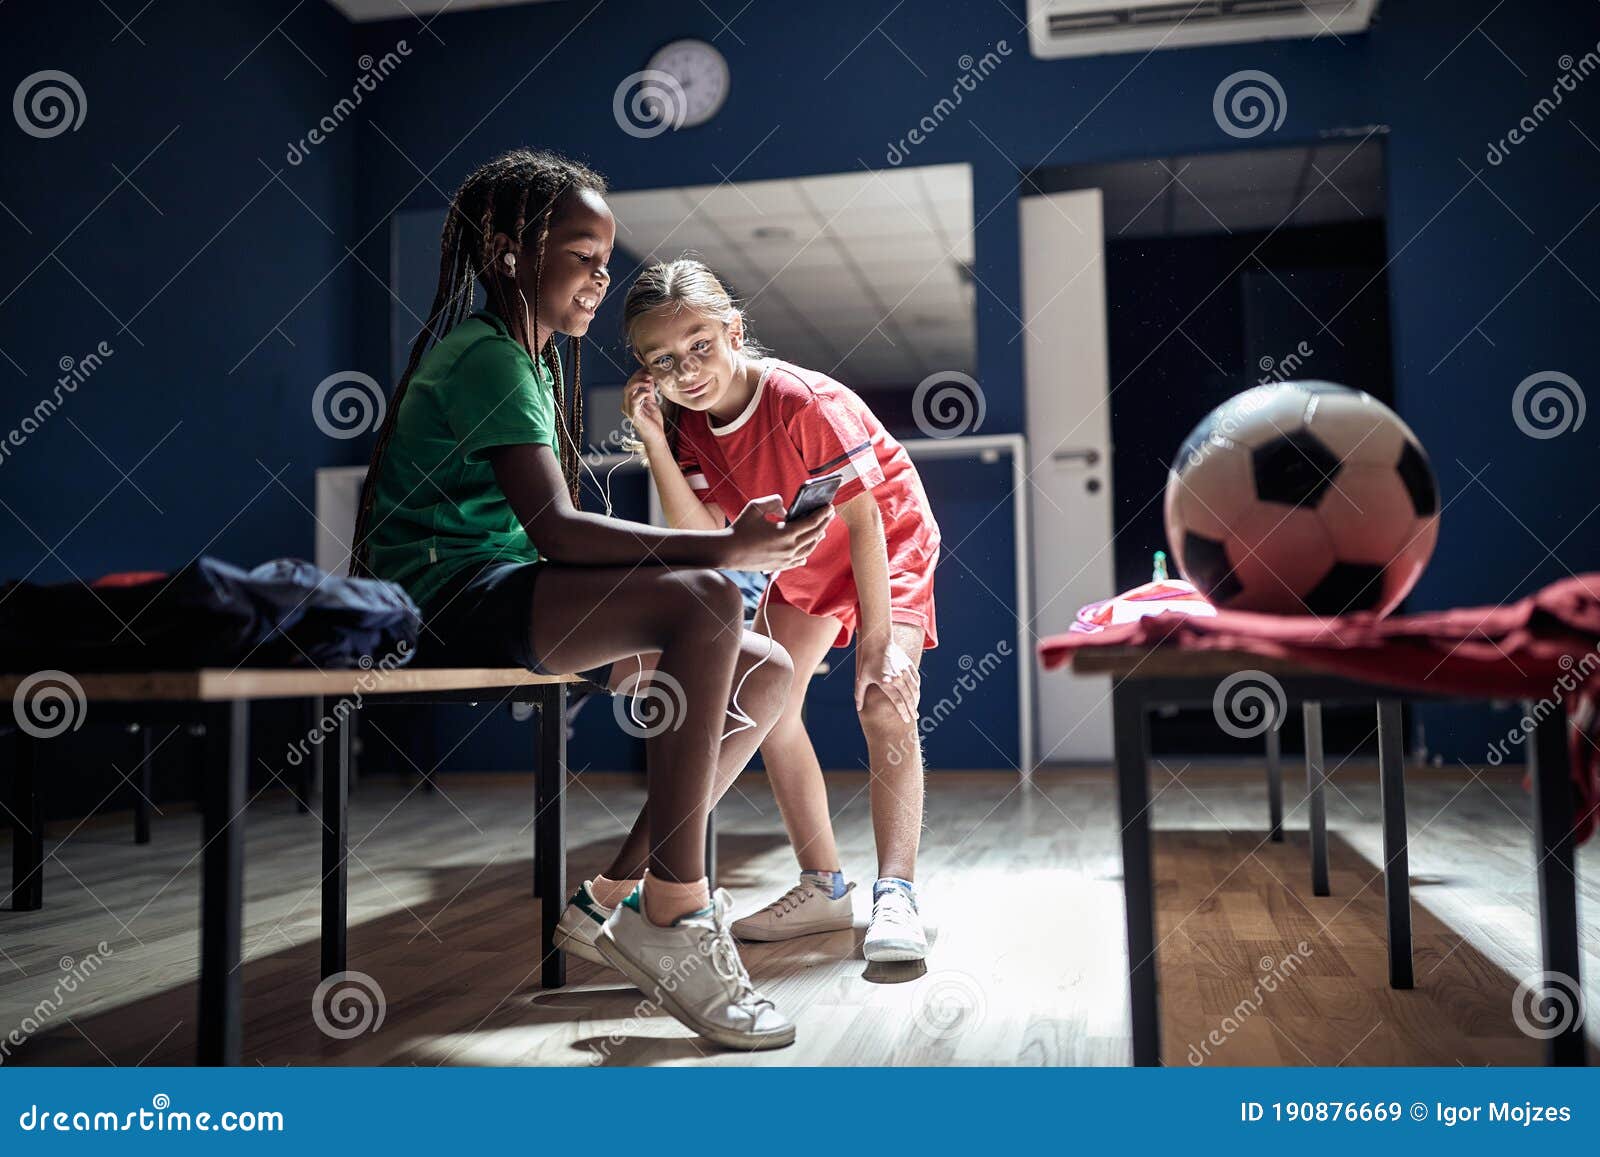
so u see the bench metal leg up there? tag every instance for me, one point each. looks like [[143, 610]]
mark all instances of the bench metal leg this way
[[336, 851], [428, 748], [1275, 785], [711, 848], [27, 826], [222, 884], [1315, 805], [313, 770], [353, 778], [194, 757], [143, 784], [538, 720], [533, 714], [550, 828], [1396, 861], [1133, 810], [1558, 896]]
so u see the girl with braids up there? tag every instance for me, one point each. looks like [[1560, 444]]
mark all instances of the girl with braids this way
[[728, 424], [471, 504]]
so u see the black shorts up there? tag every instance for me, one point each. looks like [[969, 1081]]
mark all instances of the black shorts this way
[[482, 617]]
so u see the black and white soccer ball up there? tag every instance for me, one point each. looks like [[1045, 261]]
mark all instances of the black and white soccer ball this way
[[1302, 498]]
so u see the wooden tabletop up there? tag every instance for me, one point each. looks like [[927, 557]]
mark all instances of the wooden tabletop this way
[[212, 685]]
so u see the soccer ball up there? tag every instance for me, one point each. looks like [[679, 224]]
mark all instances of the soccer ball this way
[[1302, 498]]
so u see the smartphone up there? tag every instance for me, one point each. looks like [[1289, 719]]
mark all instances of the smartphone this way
[[813, 495]]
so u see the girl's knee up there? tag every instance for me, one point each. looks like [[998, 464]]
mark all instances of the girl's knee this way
[[774, 668], [881, 718], [789, 731], [705, 602]]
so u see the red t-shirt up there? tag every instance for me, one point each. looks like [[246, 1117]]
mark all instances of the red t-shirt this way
[[799, 425]]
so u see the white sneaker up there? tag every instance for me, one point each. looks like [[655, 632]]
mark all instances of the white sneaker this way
[[581, 921], [693, 970], [802, 910], [896, 930]]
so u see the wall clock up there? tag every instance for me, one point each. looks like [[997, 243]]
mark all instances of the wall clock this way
[[701, 72]]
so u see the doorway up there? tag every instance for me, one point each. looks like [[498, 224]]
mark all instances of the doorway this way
[[1153, 291]]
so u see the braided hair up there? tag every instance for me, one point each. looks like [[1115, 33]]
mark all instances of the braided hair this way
[[517, 194]]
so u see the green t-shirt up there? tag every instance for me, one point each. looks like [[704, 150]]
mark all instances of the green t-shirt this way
[[438, 507]]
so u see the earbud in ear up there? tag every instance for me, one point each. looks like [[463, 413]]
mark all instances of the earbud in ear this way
[[511, 263]]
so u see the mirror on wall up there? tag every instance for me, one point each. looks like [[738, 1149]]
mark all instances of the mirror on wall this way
[[865, 276]]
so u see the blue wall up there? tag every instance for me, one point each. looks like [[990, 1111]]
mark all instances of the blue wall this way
[[817, 90], [189, 103], [181, 273]]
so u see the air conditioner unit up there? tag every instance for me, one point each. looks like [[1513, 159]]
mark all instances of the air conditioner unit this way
[[1092, 27]]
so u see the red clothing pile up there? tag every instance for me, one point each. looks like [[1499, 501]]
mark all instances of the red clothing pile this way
[[1544, 647], [1150, 599]]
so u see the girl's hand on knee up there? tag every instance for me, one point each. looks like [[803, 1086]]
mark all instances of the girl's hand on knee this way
[[886, 665]]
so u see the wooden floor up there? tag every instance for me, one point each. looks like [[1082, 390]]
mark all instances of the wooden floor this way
[[1021, 884]]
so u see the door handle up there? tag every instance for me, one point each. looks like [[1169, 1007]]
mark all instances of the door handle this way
[[1088, 455]]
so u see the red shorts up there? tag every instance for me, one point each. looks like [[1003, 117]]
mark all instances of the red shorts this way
[[910, 601]]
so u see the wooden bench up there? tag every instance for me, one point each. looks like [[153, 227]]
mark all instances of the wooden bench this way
[[223, 698], [1144, 678]]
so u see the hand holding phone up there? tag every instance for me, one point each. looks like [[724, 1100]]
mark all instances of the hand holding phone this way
[[762, 539], [813, 495]]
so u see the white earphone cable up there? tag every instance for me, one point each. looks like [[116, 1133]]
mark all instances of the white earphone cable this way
[[561, 425], [735, 712], [605, 497]]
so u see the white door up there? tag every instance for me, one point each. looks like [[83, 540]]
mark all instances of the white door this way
[[1066, 370]]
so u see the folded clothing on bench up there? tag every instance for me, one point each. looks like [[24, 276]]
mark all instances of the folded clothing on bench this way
[[283, 613], [1545, 647]]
